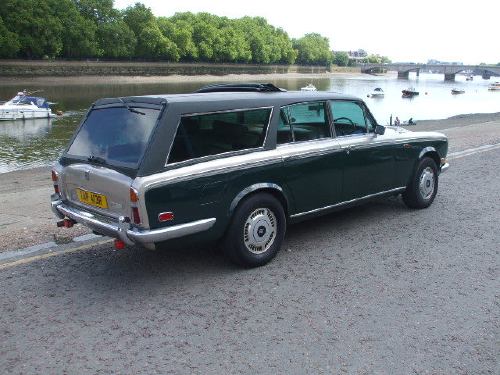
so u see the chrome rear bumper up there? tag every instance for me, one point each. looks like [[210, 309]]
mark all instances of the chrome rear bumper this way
[[122, 229], [444, 167]]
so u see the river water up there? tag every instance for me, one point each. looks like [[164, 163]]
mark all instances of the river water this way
[[33, 143]]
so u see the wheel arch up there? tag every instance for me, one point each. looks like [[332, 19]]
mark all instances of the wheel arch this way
[[431, 153], [265, 187]]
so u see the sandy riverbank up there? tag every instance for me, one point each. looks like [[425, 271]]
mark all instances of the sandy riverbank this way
[[26, 218], [105, 80]]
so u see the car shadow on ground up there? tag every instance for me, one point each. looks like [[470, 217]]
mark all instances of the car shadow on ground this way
[[104, 272]]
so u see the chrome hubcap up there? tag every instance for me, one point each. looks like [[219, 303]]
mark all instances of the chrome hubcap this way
[[259, 231], [427, 181]]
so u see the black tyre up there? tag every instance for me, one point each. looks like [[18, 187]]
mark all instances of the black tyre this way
[[423, 186], [256, 231]]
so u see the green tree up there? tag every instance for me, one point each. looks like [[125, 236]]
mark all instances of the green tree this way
[[79, 35], [116, 40], [151, 43], [138, 17], [98, 11], [204, 35], [180, 32], [9, 42], [313, 49], [374, 59], [385, 60], [341, 58], [39, 31]]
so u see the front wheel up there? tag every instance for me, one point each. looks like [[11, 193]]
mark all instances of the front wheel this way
[[422, 189], [256, 231]]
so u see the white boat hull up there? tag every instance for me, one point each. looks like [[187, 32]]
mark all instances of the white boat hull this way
[[21, 114]]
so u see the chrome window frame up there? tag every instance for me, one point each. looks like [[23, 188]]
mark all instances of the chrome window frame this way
[[222, 154]]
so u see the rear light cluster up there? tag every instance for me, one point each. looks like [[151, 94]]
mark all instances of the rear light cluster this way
[[134, 199], [55, 180]]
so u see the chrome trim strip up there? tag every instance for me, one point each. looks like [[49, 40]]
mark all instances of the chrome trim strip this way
[[208, 168], [263, 157], [123, 230], [425, 151], [191, 114], [347, 202], [168, 233]]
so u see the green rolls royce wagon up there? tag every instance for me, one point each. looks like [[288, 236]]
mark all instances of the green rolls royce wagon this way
[[235, 164]]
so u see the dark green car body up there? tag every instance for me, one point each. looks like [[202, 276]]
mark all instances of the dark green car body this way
[[339, 165]]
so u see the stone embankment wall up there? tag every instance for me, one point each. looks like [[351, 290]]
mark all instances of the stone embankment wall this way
[[22, 68]]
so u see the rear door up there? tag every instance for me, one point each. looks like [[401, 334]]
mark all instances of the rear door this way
[[310, 155]]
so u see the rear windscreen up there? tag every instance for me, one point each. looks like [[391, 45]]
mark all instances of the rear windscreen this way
[[115, 136]]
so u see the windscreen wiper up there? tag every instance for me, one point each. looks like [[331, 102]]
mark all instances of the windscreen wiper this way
[[96, 159], [131, 109]]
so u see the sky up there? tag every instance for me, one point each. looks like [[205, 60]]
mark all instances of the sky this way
[[416, 31]]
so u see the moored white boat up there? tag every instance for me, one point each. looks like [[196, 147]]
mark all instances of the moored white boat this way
[[409, 92], [25, 106], [494, 86], [377, 93], [309, 87]]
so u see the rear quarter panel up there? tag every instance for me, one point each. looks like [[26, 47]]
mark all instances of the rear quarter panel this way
[[207, 190]]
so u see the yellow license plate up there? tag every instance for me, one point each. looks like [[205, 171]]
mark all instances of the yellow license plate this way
[[93, 199]]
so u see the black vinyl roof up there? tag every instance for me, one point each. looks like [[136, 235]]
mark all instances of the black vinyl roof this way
[[246, 98]]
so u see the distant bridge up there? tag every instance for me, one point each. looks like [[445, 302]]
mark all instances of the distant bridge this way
[[449, 70]]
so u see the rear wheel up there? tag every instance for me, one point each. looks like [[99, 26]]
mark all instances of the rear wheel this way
[[422, 190], [256, 231]]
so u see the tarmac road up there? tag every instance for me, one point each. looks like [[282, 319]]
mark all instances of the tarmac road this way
[[378, 289]]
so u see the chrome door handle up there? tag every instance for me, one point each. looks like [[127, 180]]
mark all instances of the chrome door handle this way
[[348, 150]]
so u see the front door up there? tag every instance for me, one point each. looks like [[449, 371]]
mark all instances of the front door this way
[[368, 159]]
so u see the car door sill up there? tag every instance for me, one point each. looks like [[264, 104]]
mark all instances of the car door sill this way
[[346, 203]]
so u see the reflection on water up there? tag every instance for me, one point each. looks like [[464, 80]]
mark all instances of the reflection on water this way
[[31, 143], [24, 130]]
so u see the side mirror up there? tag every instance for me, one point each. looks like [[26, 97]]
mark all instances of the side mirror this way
[[380, 130]]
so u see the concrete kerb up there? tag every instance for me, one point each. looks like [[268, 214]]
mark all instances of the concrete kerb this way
[[48, 249]]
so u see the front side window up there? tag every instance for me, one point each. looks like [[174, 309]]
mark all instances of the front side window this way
[[349, 118], [307, 121], [216, 133]]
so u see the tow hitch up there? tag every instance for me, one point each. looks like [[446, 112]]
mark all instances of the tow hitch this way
[[66, 223]]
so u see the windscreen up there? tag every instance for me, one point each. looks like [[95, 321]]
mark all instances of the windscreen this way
[[115, 136]]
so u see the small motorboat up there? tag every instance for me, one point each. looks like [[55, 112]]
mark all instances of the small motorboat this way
[[26, 106], [309, 87], [409, 93], [494, 86], [457, 91], [377, 93]]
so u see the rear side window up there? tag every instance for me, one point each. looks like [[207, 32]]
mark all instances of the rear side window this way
[[115, 136], [216, 133], [303, 122]]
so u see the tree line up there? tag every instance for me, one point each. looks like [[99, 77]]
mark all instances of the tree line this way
[[76, 29]]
